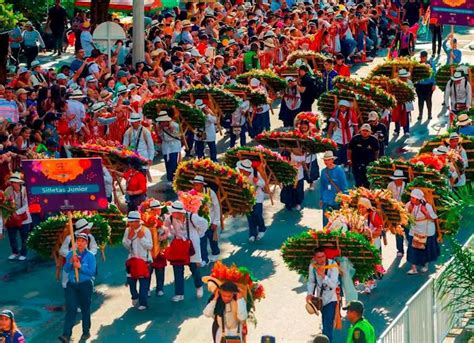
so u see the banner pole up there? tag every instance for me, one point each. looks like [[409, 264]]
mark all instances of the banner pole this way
[[73, 242]]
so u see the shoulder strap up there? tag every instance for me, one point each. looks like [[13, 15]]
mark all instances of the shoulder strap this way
[[331, 181], [169, 134], [138, 137]]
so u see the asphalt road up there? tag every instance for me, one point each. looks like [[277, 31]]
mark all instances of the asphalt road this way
[[31, 291]]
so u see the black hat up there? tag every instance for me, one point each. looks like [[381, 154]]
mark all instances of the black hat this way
[[424, 53], [356, 306]]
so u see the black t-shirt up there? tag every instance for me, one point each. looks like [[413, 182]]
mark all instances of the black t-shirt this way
[[57, 16], [307, 96], [363, 150], [412, 10]]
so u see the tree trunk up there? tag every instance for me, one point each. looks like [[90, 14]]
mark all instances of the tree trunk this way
[[99, 11], [3, 56]]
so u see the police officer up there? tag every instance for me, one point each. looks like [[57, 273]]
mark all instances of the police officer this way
[[360, 331], [363, 149]]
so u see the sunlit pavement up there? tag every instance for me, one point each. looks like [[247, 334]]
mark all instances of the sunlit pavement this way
[[31, 291]]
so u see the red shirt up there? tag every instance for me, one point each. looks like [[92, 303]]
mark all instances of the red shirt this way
[[136, 181], [342, 70]]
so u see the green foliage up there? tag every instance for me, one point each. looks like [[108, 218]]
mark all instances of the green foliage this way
[[193, 116], [456, 283], [8, 16]]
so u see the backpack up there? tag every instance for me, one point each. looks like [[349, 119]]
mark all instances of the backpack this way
[[317, 87], [85, 72]]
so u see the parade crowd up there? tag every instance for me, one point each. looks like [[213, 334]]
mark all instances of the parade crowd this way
[[46, 111]]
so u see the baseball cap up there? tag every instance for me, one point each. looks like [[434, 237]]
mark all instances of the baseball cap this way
[[356, 306]]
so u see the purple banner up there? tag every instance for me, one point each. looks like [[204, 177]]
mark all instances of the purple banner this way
[[72, 184], [453, 12]]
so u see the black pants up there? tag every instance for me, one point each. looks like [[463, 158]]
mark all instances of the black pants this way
[[424, 93], [77, 43], [436, 36], [30, 53], [78, 295], [404, 52], [58, 39], [15, 54], [360, 175]]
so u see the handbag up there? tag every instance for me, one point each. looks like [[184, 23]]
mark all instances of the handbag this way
[[317, 301], [16, 220], [137, 268], [419, 241], [180, 251]]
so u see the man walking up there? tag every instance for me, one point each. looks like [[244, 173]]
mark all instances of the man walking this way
[[426, 87], [57, 20], [333, 180], [361, 331], [363, 149], [79, 289]]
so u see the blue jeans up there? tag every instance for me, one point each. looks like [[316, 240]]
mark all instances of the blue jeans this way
[[255, 220], [208, 236], [243, 137], [78, 295], [212, 150], [189, 141], [160, 278], [327, 208], [171, 163], [179, 278], [328, 312], [142, 293], [24, 230], [258, 124], [347, 46]]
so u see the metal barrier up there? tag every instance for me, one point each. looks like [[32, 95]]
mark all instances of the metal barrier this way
[[424, 319]]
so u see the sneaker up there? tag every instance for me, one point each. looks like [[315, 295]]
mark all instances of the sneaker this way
[[213, 258], [64, 339], [160, 293], [79, 310], [419, 118], [177, 298], [22, 258], [149, 294], [346, 169], [298, 207], [85, 337], [251, 239], [260, 235], [396, 133], [367, 290], [311, 186], [203, 263], [141, 308], [169, 184], [424, 269], [13, 257], [407, 134], [412, 272], [199, 292], [399, 254], [134, 302]]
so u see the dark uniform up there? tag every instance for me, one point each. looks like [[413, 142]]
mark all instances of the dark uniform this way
[[364, 151]]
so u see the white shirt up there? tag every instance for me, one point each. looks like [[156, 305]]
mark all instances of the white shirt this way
[[233, 321], [422, 225], [210, 128], [21, 202], [87, 42], [171, 139], [463, 94], [215, 208], [108, 182], [396, 190], [259, 185], [296, 159], [138, 247], [328, 283], [197, 228], [77, 109], [145, 146]]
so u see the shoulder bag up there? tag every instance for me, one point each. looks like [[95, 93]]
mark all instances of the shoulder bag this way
[[180, 251], [16, 220], [331, 181]]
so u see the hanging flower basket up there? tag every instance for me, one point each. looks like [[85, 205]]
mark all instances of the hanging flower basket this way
[[418, 71], [189, 116], [280, 171], [223, 179], [298, 251], [294, 139], [375, 93]]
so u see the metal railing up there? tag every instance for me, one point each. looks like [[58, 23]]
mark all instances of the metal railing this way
[[424, 319]]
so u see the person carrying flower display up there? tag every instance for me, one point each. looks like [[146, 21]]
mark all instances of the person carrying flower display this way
[[333, 180], [322, 289], [423, 246], [9, 332], [343, 124], [311, 167], [455, 178], [79, 288], [151, 217], [239, 124], [208, 135], [293, 195], [187, 229], [138, 241], [401, 113], [255, 219], [228, 308], [81, 226], [456, 149], [136, 185], [212, 233], [290, 103], [138, 138], [397, 186], [169, 133], [261, 114]]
